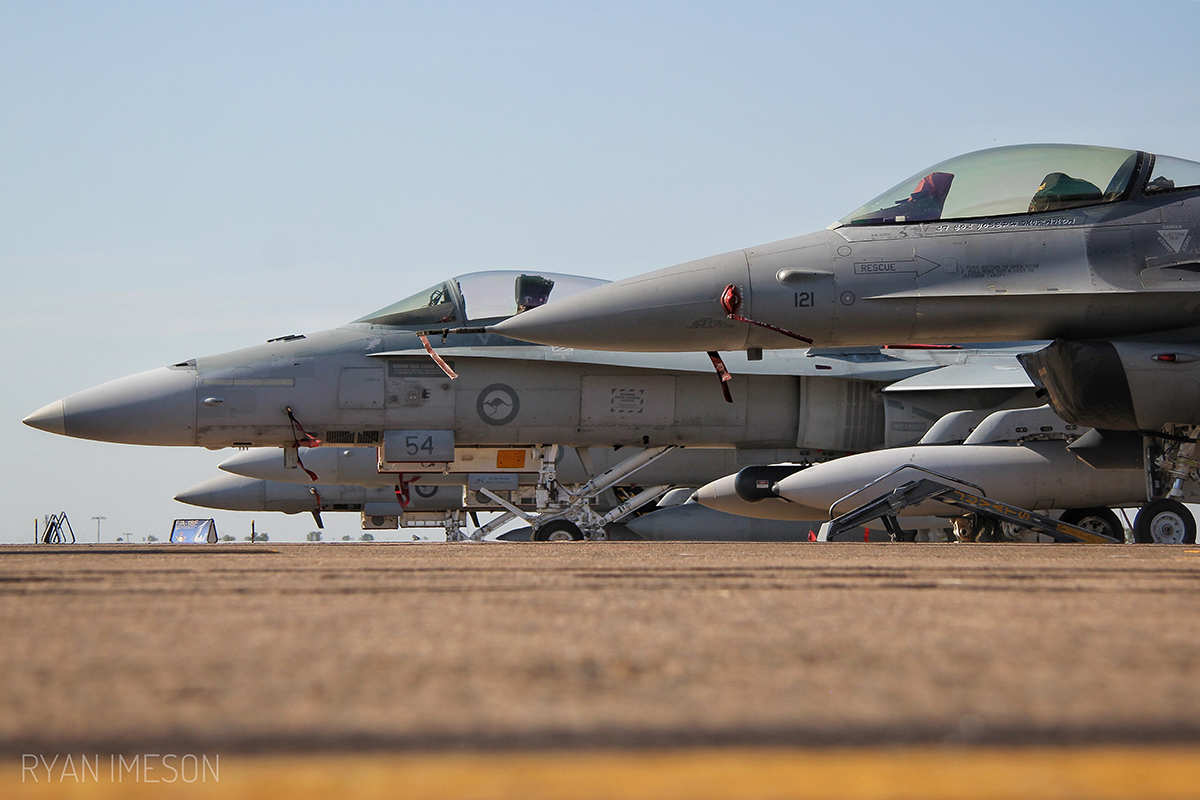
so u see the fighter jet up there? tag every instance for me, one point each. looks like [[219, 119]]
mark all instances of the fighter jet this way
[[681, 468], [692, 466], [238, 493], [488, 404], [1012, 243], [1092, 247], [446, 505]]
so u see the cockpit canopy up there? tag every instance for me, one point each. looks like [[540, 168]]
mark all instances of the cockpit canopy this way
[[1023, 179], [480, 296]]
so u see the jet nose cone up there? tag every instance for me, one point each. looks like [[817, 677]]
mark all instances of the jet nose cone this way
[[673, 309], [227, 492], [155, 407], [48, 418]]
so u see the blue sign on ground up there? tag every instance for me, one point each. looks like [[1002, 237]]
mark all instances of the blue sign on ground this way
[[194, 531]]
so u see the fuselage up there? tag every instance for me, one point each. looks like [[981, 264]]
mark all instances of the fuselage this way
[[346, 387]]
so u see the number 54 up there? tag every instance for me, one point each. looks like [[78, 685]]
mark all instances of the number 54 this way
[[413, 445]]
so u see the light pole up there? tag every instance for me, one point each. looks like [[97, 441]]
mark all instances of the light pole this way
[[98, 527]]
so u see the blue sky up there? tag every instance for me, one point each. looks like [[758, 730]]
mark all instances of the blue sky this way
[[182, 180]]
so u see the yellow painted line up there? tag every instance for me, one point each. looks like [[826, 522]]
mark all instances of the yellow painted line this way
[[695, 774]]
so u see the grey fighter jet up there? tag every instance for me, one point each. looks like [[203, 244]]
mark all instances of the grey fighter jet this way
[[1094, 248], [445, 505], [692, 466], [485, 404], [238, 493], [684, 469], [1014, 243]]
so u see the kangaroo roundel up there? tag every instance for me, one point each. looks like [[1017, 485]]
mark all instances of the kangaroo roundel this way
[[497, 404]]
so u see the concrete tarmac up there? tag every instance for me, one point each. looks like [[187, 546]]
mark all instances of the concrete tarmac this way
[[271, 648]]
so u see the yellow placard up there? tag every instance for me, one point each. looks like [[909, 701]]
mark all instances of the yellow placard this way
[[510, 459]]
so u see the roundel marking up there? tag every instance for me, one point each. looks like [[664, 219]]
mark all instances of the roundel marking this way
[[425, 491], [497, 404]]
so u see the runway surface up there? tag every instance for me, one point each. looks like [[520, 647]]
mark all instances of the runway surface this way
[[265, 651]]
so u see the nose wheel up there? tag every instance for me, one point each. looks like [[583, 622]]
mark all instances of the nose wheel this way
[[559, 530], [1165, 522]]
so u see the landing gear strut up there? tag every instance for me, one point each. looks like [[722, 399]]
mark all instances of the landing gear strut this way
[[565, 511], [1171, 465], [453, 525]]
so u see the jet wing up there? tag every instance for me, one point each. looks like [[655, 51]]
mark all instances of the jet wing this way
[[976, 375]]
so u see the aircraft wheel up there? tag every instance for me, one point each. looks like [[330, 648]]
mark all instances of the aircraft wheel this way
[[1164, 522], [987, 529], [1099, 520], [558, 530], [1015, 533]]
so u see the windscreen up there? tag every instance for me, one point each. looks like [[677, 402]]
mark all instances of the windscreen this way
[[427, 307], [1025, 179]]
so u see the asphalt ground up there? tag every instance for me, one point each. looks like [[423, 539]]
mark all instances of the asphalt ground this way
[[592, 661]]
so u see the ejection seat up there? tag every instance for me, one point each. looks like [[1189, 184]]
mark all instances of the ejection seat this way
[[1059, 190], [924, 204]]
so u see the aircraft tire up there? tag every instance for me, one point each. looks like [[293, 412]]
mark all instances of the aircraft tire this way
[[987, 529], [1098, 519], [558, 530], [1164, 522]]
